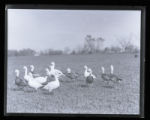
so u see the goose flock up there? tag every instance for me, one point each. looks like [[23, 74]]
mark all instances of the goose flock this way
[[51, 80]]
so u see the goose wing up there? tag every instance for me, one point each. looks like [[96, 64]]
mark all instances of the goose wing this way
[[20, 82], [89, 79], [105, 77], [114, 77]]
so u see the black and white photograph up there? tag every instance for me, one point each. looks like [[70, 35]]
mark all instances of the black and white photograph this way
[[73, 61]]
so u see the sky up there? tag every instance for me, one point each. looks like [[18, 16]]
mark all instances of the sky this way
[[57, 29]]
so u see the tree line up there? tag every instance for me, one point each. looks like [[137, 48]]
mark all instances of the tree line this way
[[91, 45]]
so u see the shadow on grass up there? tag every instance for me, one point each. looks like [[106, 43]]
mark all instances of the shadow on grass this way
[[108, 86], [84, 86], [45, 92], [17, 89], [29, 89]]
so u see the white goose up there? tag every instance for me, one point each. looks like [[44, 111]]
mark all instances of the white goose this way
[[33, 72], [54, 71], [91, 73], [33, 83], [86, 72], [53, 84], [90, 78], [29, 75], [26, 75]]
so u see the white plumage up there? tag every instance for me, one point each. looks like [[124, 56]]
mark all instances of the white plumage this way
[[26, 75], [33, 83], [54, 71], [86, 73], [91, 73], [33, 72], [53, 84]]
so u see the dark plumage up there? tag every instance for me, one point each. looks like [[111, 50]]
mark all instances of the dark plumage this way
[[115, 78], [20, 82], [111, 76], [89, 79], [49, 79], [71, 75], [105, 77]]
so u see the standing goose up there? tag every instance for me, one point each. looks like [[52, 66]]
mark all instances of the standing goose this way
[[114, 77], [29, 75], [26, 75], [91, 73], [104, 76], [53, 84], [33, 83], [49, 79], [54, 71], [90, 78], [33, 72], [86, 72], [18, 81]]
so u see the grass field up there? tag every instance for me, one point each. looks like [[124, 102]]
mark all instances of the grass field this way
[[72, 97]]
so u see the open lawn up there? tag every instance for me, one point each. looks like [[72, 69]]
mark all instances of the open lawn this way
[[73, 97]]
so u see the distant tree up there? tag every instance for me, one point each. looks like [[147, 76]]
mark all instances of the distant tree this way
[[125, 43], [115, 49], [13, 53], [99, 43], [27, 52], [73, 52], [67, 50], [89, 44]]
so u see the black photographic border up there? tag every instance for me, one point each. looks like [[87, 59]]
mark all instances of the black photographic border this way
[[82, 7]]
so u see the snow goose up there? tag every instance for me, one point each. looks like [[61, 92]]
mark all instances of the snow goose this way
[[86, 73], [91, 73], [53, 84], [18, 81], [49, 79], [26, 75], [54, 71], [33, 72], [104, 76], [114, 77], [33, 83], [90, 78]]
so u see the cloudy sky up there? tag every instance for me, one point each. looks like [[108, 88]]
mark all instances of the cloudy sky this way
[[57, 29]]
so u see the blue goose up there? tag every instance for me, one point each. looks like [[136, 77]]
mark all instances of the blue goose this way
[[90, 78], [104, 76], [114, 77], [18, 81]]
